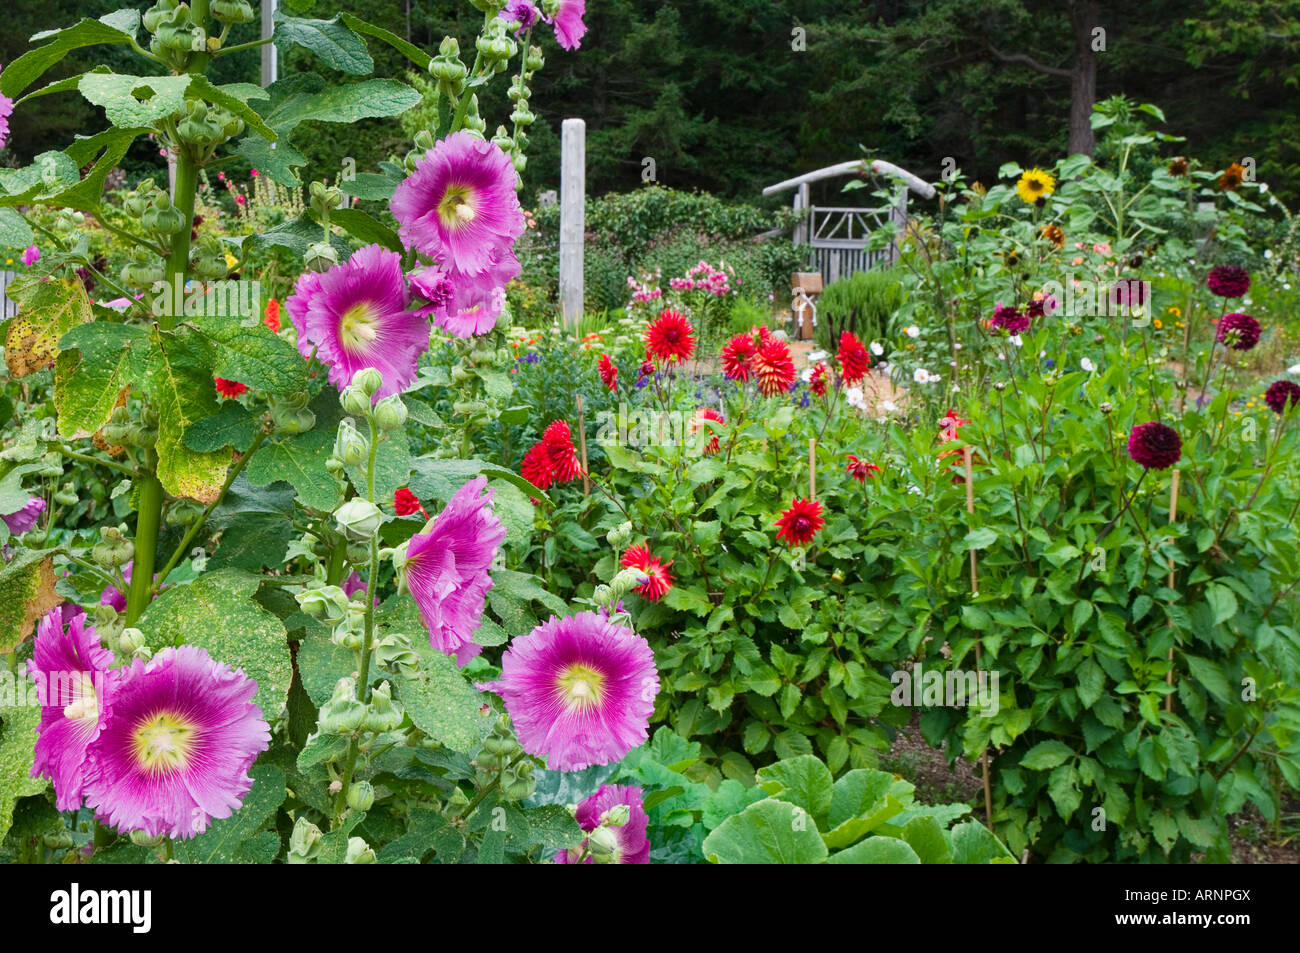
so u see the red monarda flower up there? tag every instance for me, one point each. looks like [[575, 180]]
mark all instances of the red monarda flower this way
[[773, 368], [1279, 392], [558, 441], [817, 382], [670, 338], [230, 388], [1238, 331], [853, 357], [660, 579], [407, 503], [707, 413], [1155, 446], [536, 468], [736, 356], [608, 372], [271, 316], [860, 469], [801, 522], [1228, 281]]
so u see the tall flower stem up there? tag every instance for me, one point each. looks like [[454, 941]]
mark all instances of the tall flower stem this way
[[147, 520]]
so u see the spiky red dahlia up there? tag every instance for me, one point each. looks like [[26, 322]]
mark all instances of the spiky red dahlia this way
[[801, 522], [670, 338], [736, 356], [1279, 393], [536, 468], [608, 372], [230, 389], [558, 441], [860, 469], [659, 580], [817, 382], [773, 367], [707, 413], [853, 357]]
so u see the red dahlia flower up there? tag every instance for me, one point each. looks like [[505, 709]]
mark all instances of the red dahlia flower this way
[[536, 468], [853, 357], [407, 503], [1155, 446], [271, 316], [736, 356], [660, 579], [774, 368], [1238, 331], [801, 522], [707, 413], [670, 338], [860, 469], [1279, 393], [1228, 281], [817, 382], [558, 441], [230, 388], [608, 372]]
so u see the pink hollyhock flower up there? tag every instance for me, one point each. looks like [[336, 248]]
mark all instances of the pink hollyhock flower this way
[[31, 255], [112, 596], [25, 517], [520, 12], [354, 316], [632, 845], [569, 28], [447, 569], [459, 206], [74, 682], [580, 690], [175, 751], [435, 286], [478, 300], [6, 110]]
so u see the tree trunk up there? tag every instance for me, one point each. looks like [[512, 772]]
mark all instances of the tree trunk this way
[[1083, 76]]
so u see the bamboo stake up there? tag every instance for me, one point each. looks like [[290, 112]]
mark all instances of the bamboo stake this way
[[582, 442], [812, 468], [1173, 515], [979, 654]]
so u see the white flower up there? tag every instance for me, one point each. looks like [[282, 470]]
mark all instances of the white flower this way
[[1016, 340], [877, 349], [806, 375], [1087, 365], [1268, 253], [890, 406], [1293, 369], [921, 375], [914, 489], [853, 395], [1263, 186], [912, 331], [815, 356]]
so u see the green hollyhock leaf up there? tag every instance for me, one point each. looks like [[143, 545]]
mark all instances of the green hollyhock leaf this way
[[47, 311], [441, 701], [26, 594], [233, 426], [240, 838], [336, 45], [180, 381], [17, 752], [877, 850], [300, 461], [131, 101], [253, 355], [217, 612], [113, 28], [99, 360]]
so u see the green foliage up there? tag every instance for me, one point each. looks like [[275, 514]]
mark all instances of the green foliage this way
[[864, 303]]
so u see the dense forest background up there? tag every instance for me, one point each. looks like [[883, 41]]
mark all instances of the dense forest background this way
[[732, 95]]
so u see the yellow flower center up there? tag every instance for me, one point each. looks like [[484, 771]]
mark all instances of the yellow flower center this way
[[357, 327], [456, 208], [580, 686], [163, 743]]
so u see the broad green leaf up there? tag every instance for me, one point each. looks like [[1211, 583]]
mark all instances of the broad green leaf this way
[[217, 612], [298, 234], [14, 231], [392, 467], [253, 355], [442, 703], [804, 781], [99, 361], [876, 850], [336, 45], [972, 843], [1046, 754], [233, 427], [26, 594], [299, 461], [180, 381], [17, 751], [131, 101], [413, 53], [365, 229], [441, 479], [240, 839], [22, 72], [1210, 675], [766, 832]]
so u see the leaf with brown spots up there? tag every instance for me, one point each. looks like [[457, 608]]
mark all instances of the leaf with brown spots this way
[[46, 311], [26, 594]]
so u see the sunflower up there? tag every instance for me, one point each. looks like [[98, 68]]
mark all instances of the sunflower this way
[[1054, 234], [1178, 166], [1232, 177], [1034, 185]]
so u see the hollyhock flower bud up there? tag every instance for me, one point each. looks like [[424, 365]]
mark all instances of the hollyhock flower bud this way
[[342, 714], [141, 839], [361, 797], [383, 716], [320, 257], [130, 641], [360, 519], [620, 535], [369, 380], [350, 446], [627, 580], [359, 852], [325, 602], [602, 845], [616, 816], [304, 842], [390, 413]]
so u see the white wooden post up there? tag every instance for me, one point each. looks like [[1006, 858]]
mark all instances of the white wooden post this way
[[573, 190], [898, 215], [270, 61]]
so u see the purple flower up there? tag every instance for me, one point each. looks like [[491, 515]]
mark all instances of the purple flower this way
[[354, 316], [25, 517], [1238, 331], [6, 110], [1228, 281], [1009, 319], [459, 206], [1155, 446], [447, 569], [175, 752], [632, 847], [569, 28], [580, 690], [74, 682], [521, 12]]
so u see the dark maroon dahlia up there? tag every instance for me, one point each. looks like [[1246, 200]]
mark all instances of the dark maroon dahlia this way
[[1238, 331], [1009, 319], [1155, 446], [1128, 293], [1228, 281], [1279, 393]]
